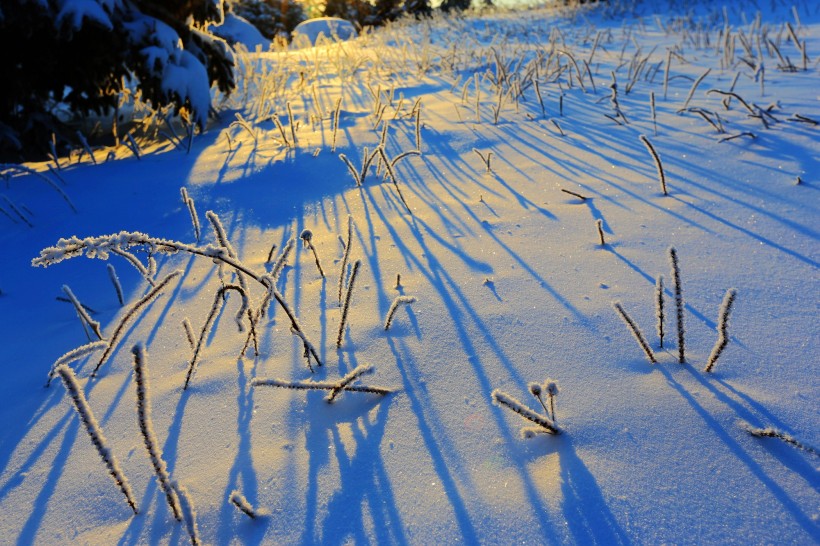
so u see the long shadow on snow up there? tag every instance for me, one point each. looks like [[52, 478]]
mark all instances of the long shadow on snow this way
[[362, 475], [774, 489], [242, 475], [488, 229], [39, 507], [789, 457], [431, 429]]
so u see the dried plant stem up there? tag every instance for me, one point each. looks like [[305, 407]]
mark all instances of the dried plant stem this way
[[292, 123], [219, 300], [723, 324], [146, 426], [770, 432], [600, 225], [485, 158], [344, 382], [400, 300], [636, 332], [503, 399], [693, 88], [345, 257], [189, 203], [130, 313], [658, 164], [239, 500], [92, 426], [116, 243], [74, 355], [389, 167], [189, 332], [659, 308], [348, 297], [676, 279], [188, 512], [112, 274], [335, 123], [578, 195], [82, 313]]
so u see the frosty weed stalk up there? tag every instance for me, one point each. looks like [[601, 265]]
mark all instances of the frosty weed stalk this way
[[545, 424], [673, 258], [102, 246], [400, 300], [92, 426], [636, 332], [335, 387], [723, 325], [147, 430]]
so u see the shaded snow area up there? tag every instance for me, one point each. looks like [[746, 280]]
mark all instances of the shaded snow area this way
[[511, 201]]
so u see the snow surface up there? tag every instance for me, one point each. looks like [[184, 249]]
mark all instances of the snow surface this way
[[512, 286]]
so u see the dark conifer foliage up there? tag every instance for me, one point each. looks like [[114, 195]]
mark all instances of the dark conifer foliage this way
[[63, 59]]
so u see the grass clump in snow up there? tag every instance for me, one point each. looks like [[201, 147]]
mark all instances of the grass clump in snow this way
[[546, 425]]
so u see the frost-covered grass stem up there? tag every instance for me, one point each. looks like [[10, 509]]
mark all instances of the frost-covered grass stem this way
[[676, 279], [503, 399], [74, 355], [658, 164], [82, 313], [659, 308], [239, 500], [147, 430], [723, 324], [92, 426], [189, 203], [636, 332], [115, 280], [345, 257], [186, 506], [130, 313], [346, 306], [391, 312]]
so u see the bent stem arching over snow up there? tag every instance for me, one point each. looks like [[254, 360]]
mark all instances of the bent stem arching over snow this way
[[103, 246]]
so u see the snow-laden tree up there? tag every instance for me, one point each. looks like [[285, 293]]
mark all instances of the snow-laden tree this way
[[79, 54], [271, 17]]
